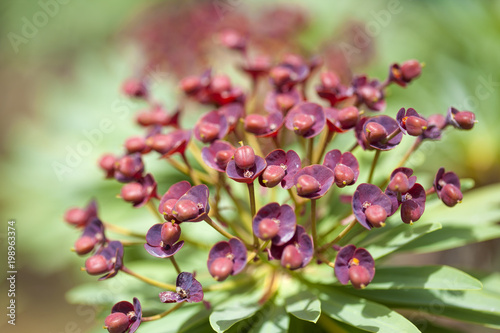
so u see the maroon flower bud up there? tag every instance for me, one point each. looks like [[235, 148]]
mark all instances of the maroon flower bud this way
[[255, 123], [280, 75], [96, 264], [190, 84], [117, 322], [307, 184], [410, 69], [273, 175], [285, 101], [376, 215], [167, 208], [220, 83], [410, 212], [233, 40], [135, 88], [375, 132], [244, 157], [221, 268], [160, 142], [145, 118], [465, 119], [85, 244], [329, 80], [302, 123], [170, 233], [186, 209], [359, 276], [291, 257], [344, 175], [128, 168], [415, 125], [208, 131], [451, 195], [76, 216], [107, 163], [268, 228], [135, 144], [348, 117], [399, 183], [133, 192]]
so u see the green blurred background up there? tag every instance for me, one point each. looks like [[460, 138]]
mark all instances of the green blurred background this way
[[60, 79]]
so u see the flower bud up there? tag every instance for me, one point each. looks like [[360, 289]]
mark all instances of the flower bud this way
[[170, 233], [369, 93], [268, 228], [329, 80], [220, 83], [117, 322], [255, 123], [96, 265], [76, 216], [415, 125], [161, 143], [437, 120], [221, 268], [465, 119], [190, 84], [134, 88], [376, 215], [145, 118], [410, 69], [280, 75], [127, 166], [302, 123], [222, 157], [410, 213], [359, 276], [244, 157], [85, 244], [135, 144], [132, 192], [107, 162], [208, 131], [233, 40], [348, 117], [399, 183], [375, 132], [451, 195], [343, 175], [167, 209], [291, 257], [273, 175], [186, 210], [307, 184], [285, 102]]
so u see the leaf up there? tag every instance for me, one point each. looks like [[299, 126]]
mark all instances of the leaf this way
[[396, 237], [424, 277], [363, 314], [271, 319], [223, 319], [476, 306], [304, 305]]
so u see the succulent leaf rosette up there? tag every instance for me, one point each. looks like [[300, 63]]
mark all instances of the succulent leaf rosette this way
[[289, 250]]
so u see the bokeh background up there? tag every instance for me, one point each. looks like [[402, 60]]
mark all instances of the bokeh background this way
[[62, 63]]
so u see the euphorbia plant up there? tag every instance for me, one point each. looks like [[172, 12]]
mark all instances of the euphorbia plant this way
[[293, 242]]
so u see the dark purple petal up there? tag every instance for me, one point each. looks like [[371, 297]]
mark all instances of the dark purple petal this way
[[239, 252], [163, 252], [175, 191], [138, 313], [322, 174], [271, 101], [150, 186], [199, 195], [311, 109], [123, 307], [215, 118], [170, 297], [153, 236], [188, 283], [342, 260], [233, 112], [246, 176], [284, 214], [290, 160], [306, 248], [365, 260], [367, 195], [209, 154], [221, 249], [332, 158], [275, 121]]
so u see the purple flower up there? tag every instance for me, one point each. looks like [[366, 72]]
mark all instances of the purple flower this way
[[410, 122], [246, 166], [124, 316], [233, 113], [281, 101], [290, 72], [81, 217], [403, 190], [211, 126], [404, 74], [313, 181], [227, 258], [162, 240], [257, 67], [306, 119], [107, 260], [355, 265], [435, 124], [332, 89], [275, 222], [93, 235], [157, 116], [169, 144], [188, 289], [369, 93], [345, 167], [281, 168], [169, 199], [193, 205], [460, 119], [379, 132], [447, 187], [371, 206], [129, 168], [141, 192], [341, 120], [297, 252], [264, 126], [218, 154]]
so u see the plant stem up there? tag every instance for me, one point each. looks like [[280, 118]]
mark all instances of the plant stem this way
[[151, 207], [191, 172], [183, 169], [313, 223], [216, 227], [123, 231], [374, 163], [354, 146], [340, 236], [152, 282], [325, 260], [251, 195], [176, 266], [163, 314], [131, 243], [255, 252], [310, 151], [271, 289], [329, 137]]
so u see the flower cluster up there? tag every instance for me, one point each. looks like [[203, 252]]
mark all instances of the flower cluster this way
[[282, 135]]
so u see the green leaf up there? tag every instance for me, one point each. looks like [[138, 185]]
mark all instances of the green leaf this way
[[223, 319], [396, 237], [363, 314], [305, 305], [476, 306], [271, 319], [424, 277]]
